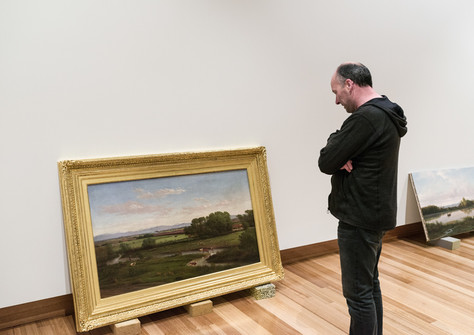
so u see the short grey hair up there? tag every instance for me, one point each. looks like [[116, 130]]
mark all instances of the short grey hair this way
[[356, 72]]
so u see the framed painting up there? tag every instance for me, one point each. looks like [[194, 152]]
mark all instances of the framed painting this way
[[150, 233], [445, 200]]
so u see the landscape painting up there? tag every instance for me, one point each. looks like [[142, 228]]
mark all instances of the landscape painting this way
[[445, 200], [154, 232], [157, 231]]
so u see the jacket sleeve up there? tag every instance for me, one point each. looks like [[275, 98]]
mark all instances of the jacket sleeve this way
[[356, 134]]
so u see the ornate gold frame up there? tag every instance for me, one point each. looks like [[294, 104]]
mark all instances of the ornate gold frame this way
[[91, 310]]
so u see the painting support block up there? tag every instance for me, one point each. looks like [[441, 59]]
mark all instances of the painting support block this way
[[130, 327], [199, 308], [450, 243], [263, 291]]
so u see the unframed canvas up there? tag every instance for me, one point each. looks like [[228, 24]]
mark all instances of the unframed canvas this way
[[445, 200]]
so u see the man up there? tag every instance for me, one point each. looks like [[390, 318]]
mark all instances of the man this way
[[362, 158]]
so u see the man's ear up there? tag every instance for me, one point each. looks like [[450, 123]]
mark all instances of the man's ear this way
[[349, 84]]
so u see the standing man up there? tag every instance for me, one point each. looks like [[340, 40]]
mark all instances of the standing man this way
[[362, 158]]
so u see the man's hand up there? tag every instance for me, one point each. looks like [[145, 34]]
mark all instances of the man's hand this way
[[348, 166]]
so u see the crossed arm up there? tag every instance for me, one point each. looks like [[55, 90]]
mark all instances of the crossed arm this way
[[356, 134]]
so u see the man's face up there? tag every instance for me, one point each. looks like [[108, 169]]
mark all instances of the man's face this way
[[343, 93]]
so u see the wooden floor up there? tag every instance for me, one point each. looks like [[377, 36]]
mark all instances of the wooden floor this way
[[427, 290]]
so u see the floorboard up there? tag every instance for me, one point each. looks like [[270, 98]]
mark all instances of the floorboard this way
[[427, 290]]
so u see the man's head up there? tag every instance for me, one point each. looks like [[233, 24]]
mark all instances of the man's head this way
[[352, 83]]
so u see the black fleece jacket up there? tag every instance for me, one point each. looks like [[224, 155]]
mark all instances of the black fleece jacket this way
[[370, 137]]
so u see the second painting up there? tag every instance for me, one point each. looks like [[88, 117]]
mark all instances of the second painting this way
[[446, 201]]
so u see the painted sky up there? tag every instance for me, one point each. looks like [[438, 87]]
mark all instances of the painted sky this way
[[140, 204], [444, 187]]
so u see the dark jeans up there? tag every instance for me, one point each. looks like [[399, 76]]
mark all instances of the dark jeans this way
[[359, 252]]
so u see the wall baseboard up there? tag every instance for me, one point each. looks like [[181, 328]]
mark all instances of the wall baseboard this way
[[63, 305], [36, 310], [297, 254]]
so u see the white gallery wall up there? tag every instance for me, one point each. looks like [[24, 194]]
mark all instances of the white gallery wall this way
[[91, 79]]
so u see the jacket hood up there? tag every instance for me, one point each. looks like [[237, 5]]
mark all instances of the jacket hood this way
[[394, 111]]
